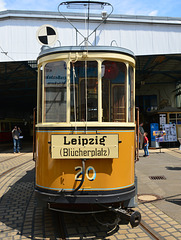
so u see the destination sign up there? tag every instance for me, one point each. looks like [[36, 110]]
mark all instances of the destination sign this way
[[84, 146]]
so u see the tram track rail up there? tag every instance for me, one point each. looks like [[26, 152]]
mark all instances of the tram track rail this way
[[13, 168], [10, 158], [148, 228], [13, 173], [63, 234], [61, 226], [154, 235]]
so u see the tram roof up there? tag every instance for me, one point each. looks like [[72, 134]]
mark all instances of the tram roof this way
[[46, 50]]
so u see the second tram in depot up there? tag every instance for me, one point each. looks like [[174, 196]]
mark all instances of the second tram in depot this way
[[85, 130]]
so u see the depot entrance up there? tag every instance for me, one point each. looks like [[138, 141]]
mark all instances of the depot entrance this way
[[158, 85], [17, 97]]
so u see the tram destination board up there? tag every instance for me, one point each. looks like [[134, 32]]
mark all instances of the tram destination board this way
[[84, 146]]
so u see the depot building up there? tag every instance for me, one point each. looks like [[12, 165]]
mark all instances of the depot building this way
[[155, 41]]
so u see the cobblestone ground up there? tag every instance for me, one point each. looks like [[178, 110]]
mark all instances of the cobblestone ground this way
[[165, 227], [21, 218]]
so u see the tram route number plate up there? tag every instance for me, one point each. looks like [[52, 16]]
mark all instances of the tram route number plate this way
[[84, 146]]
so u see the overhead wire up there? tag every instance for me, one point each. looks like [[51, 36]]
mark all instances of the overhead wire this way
[[6, 53]]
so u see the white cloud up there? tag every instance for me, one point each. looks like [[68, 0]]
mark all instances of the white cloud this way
[[153, 13], [2, 5]]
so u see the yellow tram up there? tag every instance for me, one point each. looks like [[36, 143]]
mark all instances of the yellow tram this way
[[85, 131]]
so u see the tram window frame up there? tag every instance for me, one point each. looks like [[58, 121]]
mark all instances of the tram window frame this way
[[130, 93], [39, 99], [55, 92], [175, 118], [178, 118], [80, 92], [108, 103]]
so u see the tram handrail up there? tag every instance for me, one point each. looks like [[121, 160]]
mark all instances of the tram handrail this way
[[34, 133], [137, 133]]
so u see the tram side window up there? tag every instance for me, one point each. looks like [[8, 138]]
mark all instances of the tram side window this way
[[113, 91], [55, 92], [40, 96], [130, 94], [84, 91]]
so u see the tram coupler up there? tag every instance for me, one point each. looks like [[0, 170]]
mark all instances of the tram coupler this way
[[134, 217]]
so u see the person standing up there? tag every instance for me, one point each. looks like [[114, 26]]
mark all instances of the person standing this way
[[141, 135], [15, 135], [146, 145]]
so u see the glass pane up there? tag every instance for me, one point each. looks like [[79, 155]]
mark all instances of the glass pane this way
[[40, 96], [118, 94], [178, 118], [113, 91], [84, 84], [130, 94], [55, 92], [172, 116]]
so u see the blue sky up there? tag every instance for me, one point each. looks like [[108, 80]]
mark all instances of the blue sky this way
[[168, 8]]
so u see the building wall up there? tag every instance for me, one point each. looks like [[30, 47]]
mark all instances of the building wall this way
[[142, 35]]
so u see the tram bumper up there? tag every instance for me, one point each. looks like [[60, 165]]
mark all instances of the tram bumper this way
[[85, 197]]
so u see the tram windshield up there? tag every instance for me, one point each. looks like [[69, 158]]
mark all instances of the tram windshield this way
[[84, 91], [55, 96], [114, 91], [80, 97]]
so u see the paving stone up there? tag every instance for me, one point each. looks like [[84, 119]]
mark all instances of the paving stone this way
[[154, 225], [170, 230], [131, 235], [170, 238], [166, 226], [164, 233], [43, 224], [159, 229], [17, 237], [176, 234], [178, 226], [141, 234]]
